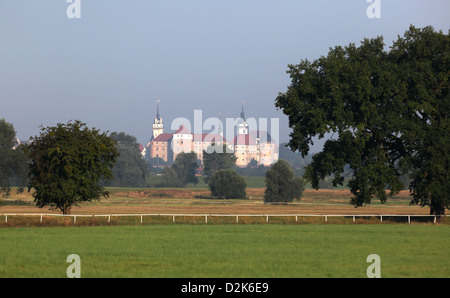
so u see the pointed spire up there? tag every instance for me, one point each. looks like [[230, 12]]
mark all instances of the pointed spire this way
[[242, 111], [157, 110]]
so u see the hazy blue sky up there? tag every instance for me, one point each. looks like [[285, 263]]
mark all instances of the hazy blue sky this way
[[109, 67]]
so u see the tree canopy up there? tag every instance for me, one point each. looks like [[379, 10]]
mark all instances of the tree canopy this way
[[214, 161], [68, 162], [12, 160], [227, 184], [182, 171], [281, 184], [130, 169], [387, 114]]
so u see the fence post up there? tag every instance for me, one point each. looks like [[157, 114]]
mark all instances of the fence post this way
[[326, 218], [41, 219], [173, 218], [206, 218], [237, 218], [6, 218], [381, 218], [141, 218], [74, 219], [267, 218], [353, 218], [409, 219]]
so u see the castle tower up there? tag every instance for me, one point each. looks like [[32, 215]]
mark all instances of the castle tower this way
[[158, 127], [242, 126]]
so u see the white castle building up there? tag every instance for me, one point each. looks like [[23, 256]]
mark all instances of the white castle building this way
[[247, 145]]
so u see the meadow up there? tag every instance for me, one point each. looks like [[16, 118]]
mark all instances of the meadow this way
[[227, 251], [191, 248]]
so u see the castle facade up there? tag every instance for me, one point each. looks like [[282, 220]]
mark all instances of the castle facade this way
[[246, 145]]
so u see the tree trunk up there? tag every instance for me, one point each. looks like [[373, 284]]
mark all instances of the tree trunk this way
[[437, 208], [66, 209]]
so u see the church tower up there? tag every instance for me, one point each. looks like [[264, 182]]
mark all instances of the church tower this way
[[158, 127], [242, 126]]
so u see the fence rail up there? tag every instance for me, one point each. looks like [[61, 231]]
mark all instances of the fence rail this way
[[236, 216]]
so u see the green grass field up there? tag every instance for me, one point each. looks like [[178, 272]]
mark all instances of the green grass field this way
[[218, 251]]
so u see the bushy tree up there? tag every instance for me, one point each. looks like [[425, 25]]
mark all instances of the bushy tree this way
[[170, 178], [388, 113], [68, 162], [227, 184], [281, 184], [214, 161], [185, 165], [130, 169], [13, 162], [182, 171]]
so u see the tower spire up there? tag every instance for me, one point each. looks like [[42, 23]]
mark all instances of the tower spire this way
[[157, 110], [158, 127], [242, 126], [242, 111]]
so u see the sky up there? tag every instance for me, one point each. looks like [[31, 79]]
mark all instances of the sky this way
[[109, 67]]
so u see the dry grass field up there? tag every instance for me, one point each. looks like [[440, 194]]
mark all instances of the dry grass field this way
[[198, 201]]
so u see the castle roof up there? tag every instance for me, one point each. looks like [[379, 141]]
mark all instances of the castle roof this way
[[206, 137], [246, 139], [164, 137], [182, 130]]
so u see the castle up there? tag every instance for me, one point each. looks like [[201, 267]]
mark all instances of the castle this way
[[246, 145]]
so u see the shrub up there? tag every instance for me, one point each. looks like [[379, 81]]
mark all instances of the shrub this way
[[281, 184], [227, 184]]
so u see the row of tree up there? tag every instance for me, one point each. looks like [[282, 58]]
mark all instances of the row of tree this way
[[70, 163], [224, 182]]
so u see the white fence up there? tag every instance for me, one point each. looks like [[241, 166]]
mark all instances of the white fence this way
[[236, 216]]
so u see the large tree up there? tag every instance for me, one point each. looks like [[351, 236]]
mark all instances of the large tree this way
[[387, 114], [13, 162], [68, 163]]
